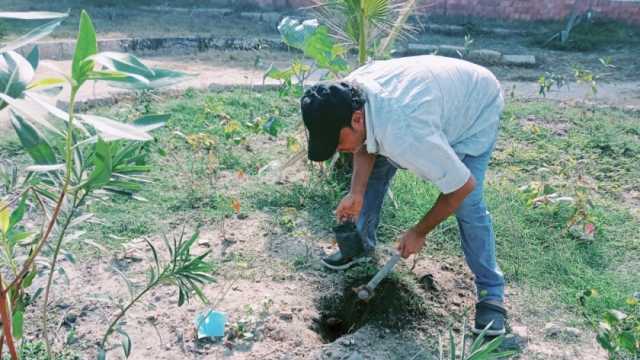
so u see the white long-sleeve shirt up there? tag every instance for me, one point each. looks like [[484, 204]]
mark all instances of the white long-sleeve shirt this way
[[425, 112]]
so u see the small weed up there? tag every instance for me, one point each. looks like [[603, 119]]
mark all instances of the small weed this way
[[37, 350]]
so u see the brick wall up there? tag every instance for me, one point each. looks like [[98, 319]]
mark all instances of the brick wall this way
[[624, 10]]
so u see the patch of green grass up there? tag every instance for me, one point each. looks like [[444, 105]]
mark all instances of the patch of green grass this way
[[198, 146], [36, 350], [318, 198], [597, 151]]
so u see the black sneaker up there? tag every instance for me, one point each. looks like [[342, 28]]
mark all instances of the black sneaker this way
[[337, 261], [490, 312]]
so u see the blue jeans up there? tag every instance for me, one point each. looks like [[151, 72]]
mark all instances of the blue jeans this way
[[476, 230]]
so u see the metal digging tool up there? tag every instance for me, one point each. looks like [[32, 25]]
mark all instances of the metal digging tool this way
[[366, 292]]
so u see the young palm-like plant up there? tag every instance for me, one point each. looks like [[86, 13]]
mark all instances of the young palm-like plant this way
[[371, 26], [479, 349]]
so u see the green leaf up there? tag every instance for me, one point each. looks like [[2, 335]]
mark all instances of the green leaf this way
[[32, 36], [45, 168], [70, 257], [17, 236], [5, 216], [121, 62], [151, 122], [452, 345], [86, 46], [18, 323], [28, 279], [273, 126], [33, 142], [295, 33], [25, 109], [113, 130], [101, 174], [47, 82], [102, 355], [161, 78], [628, 341], [34, 57], [613, 316], [15, 74], [126, 343], [603, 340], [32, 15], [18, 213], [276, 74], [315, 42]]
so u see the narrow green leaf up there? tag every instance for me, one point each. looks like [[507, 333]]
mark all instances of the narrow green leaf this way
[[155, 255], [18, 213], [15, 74], [151, 122], [69, 256], [32, 36], [126, 343], [122, 62], [46, 83], [18, 323], [32, 15], [452, 345], [44, 168], [33, 142], [477, 343], [101, 174], [34, 57], [112, 130], [28, 279], [5, 216], [613, 316], [161, 78], [24, 109], [16, 237], [486, 349], [86, 46], [63, 273], [116, 76]]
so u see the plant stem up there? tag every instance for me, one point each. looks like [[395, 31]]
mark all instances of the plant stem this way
[[67, 181], [6, 322], [52, 267], [124, 311]]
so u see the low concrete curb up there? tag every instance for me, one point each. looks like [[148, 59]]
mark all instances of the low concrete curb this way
[[63, 50], [480, 56]]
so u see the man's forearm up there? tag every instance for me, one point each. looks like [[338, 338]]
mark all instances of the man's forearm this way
[[362, 167], [443, 208]]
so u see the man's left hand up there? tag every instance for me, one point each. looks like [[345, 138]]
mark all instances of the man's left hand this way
[[410, 243]]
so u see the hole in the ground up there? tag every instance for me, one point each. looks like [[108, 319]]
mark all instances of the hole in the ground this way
[[396, 303]]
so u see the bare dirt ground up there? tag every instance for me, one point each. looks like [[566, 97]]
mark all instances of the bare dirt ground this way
[[281, 304], [275, 310]]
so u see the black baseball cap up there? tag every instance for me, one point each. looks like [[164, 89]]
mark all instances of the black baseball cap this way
[[326, 109]]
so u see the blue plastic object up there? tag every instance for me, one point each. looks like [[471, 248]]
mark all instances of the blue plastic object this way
[[210, 324]]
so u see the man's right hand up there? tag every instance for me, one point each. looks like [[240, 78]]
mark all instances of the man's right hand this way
[[349, 208]]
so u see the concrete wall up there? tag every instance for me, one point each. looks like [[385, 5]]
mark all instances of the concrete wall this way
[[624, 10]]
